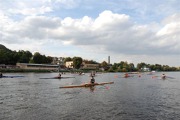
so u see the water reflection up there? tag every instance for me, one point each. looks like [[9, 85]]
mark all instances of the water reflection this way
[[92, 88]]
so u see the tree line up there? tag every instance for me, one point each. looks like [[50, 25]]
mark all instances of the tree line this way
[[10, 57], [130, 67]]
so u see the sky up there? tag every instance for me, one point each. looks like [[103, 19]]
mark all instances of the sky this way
[[126, 30]]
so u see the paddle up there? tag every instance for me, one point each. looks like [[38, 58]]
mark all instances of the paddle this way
[[170, 77]]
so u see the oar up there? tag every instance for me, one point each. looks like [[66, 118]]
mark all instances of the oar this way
[[170, 77]]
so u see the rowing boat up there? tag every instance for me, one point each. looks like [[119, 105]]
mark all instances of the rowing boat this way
[[127, 76], [57, 78], [86, 85], [11, 76]]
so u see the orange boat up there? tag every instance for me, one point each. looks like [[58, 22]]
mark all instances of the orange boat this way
[[87, 85]]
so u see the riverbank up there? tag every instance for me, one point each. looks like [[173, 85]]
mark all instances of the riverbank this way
[[23, 70], [5, 70]]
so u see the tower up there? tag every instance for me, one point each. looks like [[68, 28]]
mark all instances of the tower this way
[[108, 59]]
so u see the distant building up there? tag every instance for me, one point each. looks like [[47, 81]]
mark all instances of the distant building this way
[[37, 66], [90, 66], [69, 64], [58, 60], [55, 60], [3, 66], [145, 69]]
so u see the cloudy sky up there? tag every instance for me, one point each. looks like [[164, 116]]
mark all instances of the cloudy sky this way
[[127, 30]]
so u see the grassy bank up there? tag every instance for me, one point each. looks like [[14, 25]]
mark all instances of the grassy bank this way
[[34, 70], [45, 71]]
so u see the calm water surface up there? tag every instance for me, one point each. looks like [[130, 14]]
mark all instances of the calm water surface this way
[[134, 98]]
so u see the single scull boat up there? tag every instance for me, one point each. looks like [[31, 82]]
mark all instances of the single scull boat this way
[[57, 78], [86, 85]]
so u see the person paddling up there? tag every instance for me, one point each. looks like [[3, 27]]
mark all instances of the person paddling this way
[[126, 75], [59, 76], [92, 81], [163, 76]]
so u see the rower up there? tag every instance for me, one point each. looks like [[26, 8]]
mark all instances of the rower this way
[[92, 80], [163, 76], [126, 75], [59, 76]]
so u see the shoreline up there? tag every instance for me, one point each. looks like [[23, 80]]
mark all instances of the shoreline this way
[[50, 71], [24, 71]]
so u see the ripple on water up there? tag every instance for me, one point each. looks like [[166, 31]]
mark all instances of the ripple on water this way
[[127, 99]]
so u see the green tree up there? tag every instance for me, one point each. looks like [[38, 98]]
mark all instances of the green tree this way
[[67, 59], [111, 70], [104, 64], [158, 67], [37, 58], [131, 66], [41, 59], [121, 64], [6, 55], [126, 67], [141, 65], [90, 62], [49, 59], [24, 56], [77, 61]]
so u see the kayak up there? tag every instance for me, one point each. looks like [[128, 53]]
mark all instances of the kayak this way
[[127, 76], [86, 85], [57, 78], [11, 76]]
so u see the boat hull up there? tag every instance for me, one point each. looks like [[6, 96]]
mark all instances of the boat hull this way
[[57, 78], [11, 76], [86, 85]]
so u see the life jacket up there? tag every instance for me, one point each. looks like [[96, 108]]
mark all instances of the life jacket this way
[[92, 80]]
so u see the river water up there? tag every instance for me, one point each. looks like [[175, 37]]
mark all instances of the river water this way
[[133, 98]]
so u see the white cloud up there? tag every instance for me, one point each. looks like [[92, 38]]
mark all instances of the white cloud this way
[[110, 20], [109, 33], [31, 11], [114, 32]]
